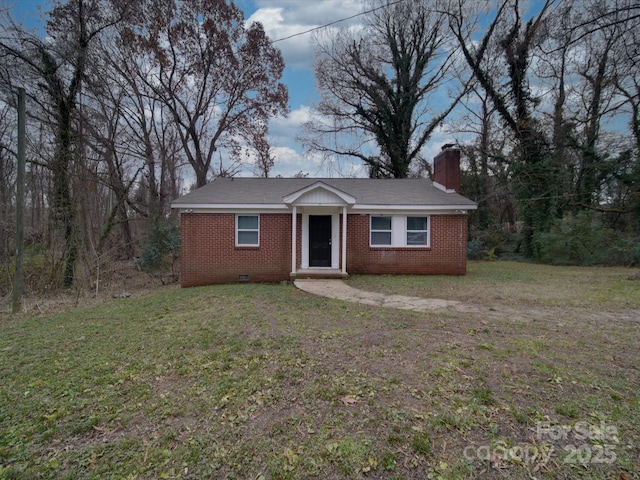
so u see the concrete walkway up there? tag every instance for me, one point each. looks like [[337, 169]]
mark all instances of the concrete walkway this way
[[339, 290]]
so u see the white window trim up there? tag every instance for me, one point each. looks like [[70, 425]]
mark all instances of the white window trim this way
[[238, 244], [399, 231], [372, 231], [428, 231]]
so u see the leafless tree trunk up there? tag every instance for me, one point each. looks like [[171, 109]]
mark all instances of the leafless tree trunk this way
[[59, 67], [377, 87], [212, 74]]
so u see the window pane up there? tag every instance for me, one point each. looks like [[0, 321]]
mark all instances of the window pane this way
[[248, 222], [416, 238], [416, 223], [247, 238], [380, 238], [380, 223]]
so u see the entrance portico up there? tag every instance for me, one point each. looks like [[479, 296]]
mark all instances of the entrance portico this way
[[323, 245]]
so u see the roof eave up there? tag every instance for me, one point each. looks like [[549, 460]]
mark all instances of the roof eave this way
[[229, 206], [281, 207], [447, 207]]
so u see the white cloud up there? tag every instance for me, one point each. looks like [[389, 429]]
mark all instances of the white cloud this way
[[289, 162], [295, 119], [298, 53], [285, 130], [284, 18], [314, 12]]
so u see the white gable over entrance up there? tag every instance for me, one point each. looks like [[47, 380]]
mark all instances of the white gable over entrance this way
[[319, 194]]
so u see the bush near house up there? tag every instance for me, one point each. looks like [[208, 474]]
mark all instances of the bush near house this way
[[583, 239], [163, 239]]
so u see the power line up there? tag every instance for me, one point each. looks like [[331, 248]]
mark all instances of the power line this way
[[337, 21]]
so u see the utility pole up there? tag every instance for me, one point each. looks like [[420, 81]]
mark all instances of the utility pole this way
[[18, 282]]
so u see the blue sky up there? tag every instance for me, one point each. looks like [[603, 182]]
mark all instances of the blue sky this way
[[281, 18]]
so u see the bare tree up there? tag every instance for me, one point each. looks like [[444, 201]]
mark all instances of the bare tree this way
[[488, 167], [567, 52], [511, 94], [378, 86], [146, 131], [58, 66], [124, 94], [597, 69], [7, 182], [214, 75], [627, 83], [579, 65], [105, 133], [265, 159]]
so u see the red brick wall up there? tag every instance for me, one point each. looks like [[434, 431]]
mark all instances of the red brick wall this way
[[446, 169], [209, 254], [447, 254]]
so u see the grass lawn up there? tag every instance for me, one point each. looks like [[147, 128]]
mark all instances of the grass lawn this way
[[539, 377]]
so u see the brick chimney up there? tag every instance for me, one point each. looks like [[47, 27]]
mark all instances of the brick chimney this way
[[446, 168]]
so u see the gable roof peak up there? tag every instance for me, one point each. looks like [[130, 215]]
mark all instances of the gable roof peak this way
[[340, 195]]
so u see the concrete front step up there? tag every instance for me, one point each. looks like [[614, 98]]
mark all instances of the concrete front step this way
[[319, 273]]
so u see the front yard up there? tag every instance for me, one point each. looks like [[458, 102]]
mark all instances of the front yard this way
[[538, 377]]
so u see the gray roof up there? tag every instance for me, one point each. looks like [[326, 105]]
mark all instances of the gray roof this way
[[270, 191]]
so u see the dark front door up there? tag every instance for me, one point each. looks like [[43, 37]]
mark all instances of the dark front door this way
[[320, 240]]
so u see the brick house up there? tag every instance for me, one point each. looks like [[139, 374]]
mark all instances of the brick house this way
[[274, 229]]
